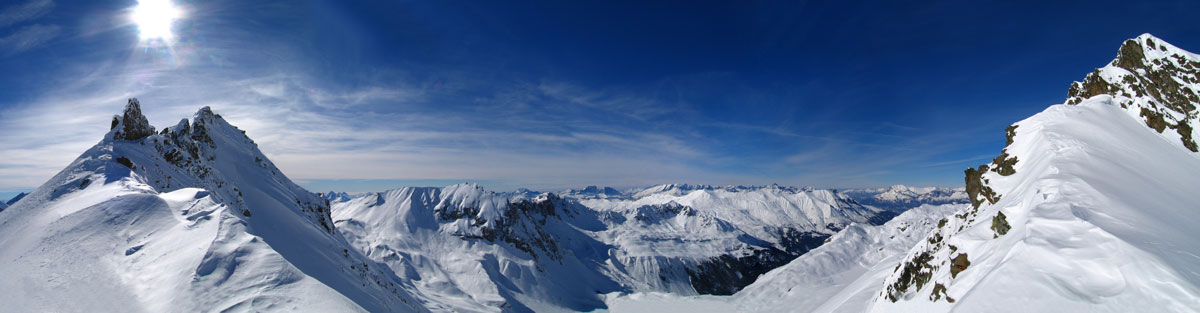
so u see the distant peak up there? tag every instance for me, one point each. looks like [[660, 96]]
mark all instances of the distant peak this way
[[205, 116], [131, 125], [205, 111]]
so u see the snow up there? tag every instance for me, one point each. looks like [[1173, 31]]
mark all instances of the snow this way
[[578, 249], [843, 274], [1101, 208], [655, 302], [436, 237], [900, 197], [840, 276], [1097, 214], [191, 219], [1101, 222], [771, 206]]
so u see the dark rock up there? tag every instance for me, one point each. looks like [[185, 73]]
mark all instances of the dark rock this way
[[1000, 224], [959, 264], [133, 125], [126, 162], [1130, 56]]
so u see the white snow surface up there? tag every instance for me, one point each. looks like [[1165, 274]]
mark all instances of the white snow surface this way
[[580, 250], [842, 275], [1102, 208], [769, 206], [450, 262], [1102, 211], [1103, 218], [220, 230]]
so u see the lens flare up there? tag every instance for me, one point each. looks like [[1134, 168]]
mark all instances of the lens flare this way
[[154, 19]]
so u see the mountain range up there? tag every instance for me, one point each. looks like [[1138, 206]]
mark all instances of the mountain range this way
[[1088, 207]]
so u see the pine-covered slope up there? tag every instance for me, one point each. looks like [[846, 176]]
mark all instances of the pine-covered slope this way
[[192, 218], [1090, 208]]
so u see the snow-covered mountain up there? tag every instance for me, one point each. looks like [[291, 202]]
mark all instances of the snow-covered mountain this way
[[485, 251], [721, 238], [899, 198], [842, 275], [10, 202], [477, 251], [16, 198], [1090, 208], [593, 192], [192, 218], [335, 197]]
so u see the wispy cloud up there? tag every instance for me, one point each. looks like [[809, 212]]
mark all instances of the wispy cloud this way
[[28, 37], [385, 131], [441, 126], [25, 12]]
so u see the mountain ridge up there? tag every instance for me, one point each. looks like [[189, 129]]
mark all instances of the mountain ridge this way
[[200, 197]]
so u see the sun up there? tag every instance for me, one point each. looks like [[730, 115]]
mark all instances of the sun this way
[[154, 19]]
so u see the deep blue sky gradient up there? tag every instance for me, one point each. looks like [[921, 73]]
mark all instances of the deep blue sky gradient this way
[[823, 93]]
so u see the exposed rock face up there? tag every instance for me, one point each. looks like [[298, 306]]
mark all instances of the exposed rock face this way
[[521, 224], [132, 125], [1154, 80]]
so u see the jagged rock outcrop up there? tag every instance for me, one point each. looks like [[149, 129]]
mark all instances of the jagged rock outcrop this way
[[1153, 80], [131, 125]]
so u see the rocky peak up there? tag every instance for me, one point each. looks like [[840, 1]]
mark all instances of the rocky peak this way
[[1155, 81], [131, 125]]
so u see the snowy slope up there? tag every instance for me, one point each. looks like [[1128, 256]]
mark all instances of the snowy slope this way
[[773, 207], [473, 250], [193, 218], [844, 274], [839, 276], [719, 239], [469, 249], [1089, 209]]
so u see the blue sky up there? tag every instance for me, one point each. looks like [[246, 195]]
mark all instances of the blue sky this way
[[372, 95]]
